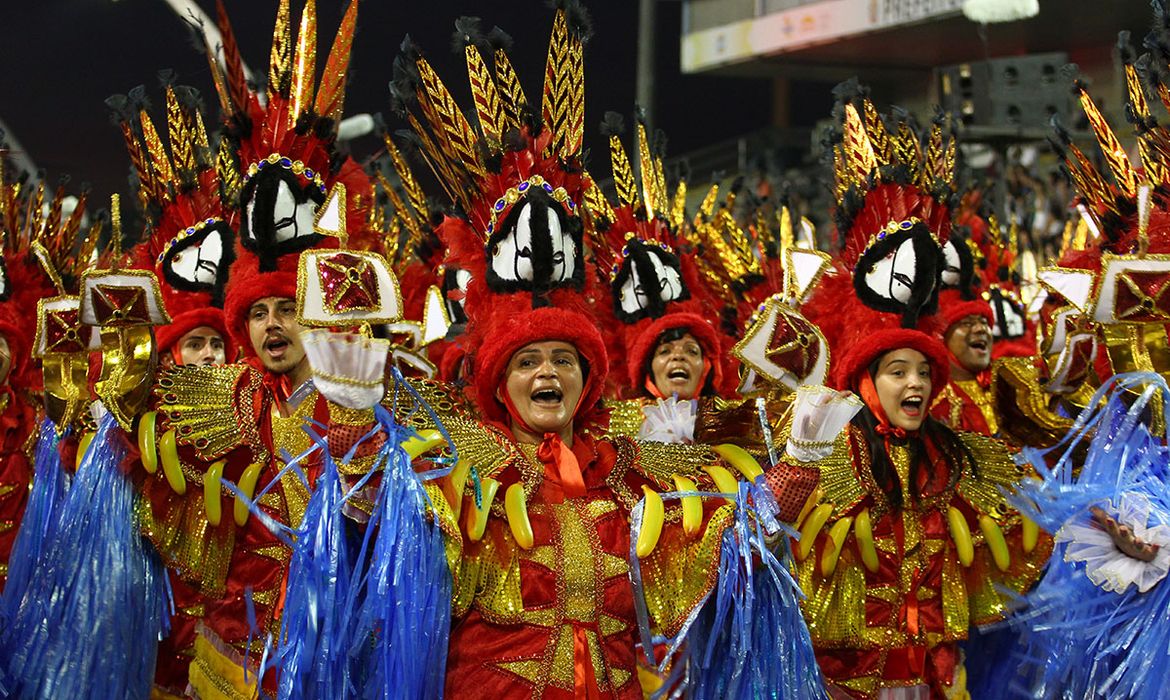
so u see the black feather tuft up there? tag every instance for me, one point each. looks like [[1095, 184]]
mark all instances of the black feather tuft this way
[[498, 40], [1124, 47], [612, 125], [467, 33], [119, 106], [137, 97], [849, 90], [577, 17], [166, 77]]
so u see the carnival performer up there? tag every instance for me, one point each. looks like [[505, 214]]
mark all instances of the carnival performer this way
[[913, 541], [543, 601], [965, 402], [23, 283], [663, 317]]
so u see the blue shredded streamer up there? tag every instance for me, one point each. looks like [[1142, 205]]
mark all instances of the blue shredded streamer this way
[[1082, 641], [367, 610], [90, 618], [748, 639]]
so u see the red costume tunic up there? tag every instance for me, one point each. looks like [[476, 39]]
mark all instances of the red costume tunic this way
[[968, 406], [18, 423]]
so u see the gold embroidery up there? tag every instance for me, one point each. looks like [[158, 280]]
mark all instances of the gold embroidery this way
[[983, 400], [625, 417], [211, 408]]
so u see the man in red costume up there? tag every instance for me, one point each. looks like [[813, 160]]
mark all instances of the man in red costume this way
[[966, 403]]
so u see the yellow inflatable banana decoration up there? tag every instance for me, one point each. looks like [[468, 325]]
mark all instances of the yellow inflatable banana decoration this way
[[739, 458], [724, 481], [168, 454], [241, 508], [811, 527], [147, 446], [863, 531], [993, 536], [652, 519], [211, 490], [424, 442], [692, 506], [832, 553], [516, 508], [479, 516], [961, 534]]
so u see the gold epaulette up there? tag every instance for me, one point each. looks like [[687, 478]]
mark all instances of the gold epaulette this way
[[1022, 404], [997, 471], [486, 447], [211, 409], [625, 417]]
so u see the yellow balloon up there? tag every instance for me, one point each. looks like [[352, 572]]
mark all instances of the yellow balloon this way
[[479, 517], [147, 447], [692, 506], [247, 486], [832, 553], [993, 536], [212, 503], [652, 519], [516, 508], [1029, 534], [168, 453], [424, 442], [82, 448], [724, 480], [739, 458], [812, 526], [863, 531], [961, 534]]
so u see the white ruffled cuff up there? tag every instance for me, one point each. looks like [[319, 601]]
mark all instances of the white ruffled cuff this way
[[669, 420], [348, 369], [1105, 564], [819, 414]]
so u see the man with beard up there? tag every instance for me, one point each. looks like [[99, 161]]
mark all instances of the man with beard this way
[[966, 402]]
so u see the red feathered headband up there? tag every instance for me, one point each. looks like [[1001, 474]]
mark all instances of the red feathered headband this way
[[857, 358], [510, 331]]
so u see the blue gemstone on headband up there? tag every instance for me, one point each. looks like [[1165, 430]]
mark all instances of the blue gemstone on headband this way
[[522, 186], [262, 164], [286, 162], [571, 205], [191, 229], [490, 228], [906, 225], [211, 221], [309, 173], [881, 235], [547, 188], [499, 205]]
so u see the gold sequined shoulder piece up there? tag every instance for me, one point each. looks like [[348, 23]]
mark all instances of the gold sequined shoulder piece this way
[[625, 417], [839, 473], [997, 471], [487, 448], [212, 409], [659, 461]]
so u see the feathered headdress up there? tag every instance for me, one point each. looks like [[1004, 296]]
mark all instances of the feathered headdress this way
[[282, 142], [191, 233]]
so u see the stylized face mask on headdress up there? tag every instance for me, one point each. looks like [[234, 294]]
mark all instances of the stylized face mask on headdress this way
[[898, 273], [279, 206], [455, 283], [198, 259], [535, 242], [5, 288], [958, 267], [1010, 321], [649, 278]]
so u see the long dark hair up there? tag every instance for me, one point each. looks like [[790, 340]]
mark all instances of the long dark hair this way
[[946, 441]]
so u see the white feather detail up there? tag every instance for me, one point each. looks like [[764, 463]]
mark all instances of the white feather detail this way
[[347, 369], [669, 420], [1105, 564], [991, 11]]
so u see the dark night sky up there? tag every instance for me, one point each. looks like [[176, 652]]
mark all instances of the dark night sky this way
[[62, 58]]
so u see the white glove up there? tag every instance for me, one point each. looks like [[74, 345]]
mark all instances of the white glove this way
[[818, 416], [347, 368]]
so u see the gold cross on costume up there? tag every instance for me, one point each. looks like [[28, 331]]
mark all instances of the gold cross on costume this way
[[61, 332], [1144, 304], [801, 341], [349, 283], [117, 305]]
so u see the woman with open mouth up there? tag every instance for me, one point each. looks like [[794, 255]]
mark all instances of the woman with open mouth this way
[[913, 541]]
